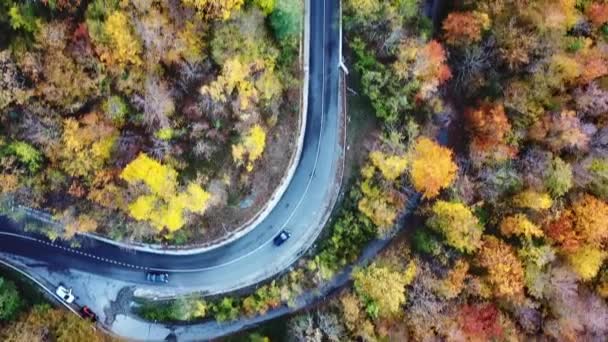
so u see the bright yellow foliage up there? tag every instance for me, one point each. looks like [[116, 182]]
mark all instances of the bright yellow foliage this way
[[126, 48], [533, 200], [250, 148], [458, 225], [143, 207], [519, 224], [383, 287], [235, 76], [266, 5], [161, 179], [215, 9], [391, 166], [165, 206], [505, 272], [432, 167], [587, 261]]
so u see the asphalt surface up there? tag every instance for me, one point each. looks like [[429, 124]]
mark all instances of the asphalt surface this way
[[252, 258]]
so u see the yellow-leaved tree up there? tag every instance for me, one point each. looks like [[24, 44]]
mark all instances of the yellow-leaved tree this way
[[432, 167], [86, 145], [379, 205], [234, 76], [382, 289], [381, 202], [250, 148], [391, 166], [126, 48], [520, 225], [531, 199], [458, 225], [166, 203], [215, 9]]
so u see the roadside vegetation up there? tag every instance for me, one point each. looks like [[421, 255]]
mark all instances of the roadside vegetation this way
[[149, 120], [25, 315], [498, 119], [514, 246]]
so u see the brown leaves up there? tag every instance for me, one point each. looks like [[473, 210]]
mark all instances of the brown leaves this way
[[465, 27], [490, 126], [561, 131]]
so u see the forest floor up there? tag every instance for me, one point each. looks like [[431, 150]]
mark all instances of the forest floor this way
[[242, 207]]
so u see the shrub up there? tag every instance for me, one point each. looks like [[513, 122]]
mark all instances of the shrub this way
[[10, 300], [116, 109]]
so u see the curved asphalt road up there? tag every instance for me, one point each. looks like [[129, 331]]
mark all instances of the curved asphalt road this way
[[302, 209]]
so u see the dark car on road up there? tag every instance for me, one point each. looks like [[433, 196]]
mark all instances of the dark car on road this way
[[281, 237], [157, 277], [87, 313]]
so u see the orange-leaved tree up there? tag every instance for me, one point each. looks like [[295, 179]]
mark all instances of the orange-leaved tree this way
[[505, 272], [597, 13], [489, 126], [465, 27], [580, 232], [426, 64]]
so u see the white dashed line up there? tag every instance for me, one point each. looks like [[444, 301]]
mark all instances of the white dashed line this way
[[75, 251]]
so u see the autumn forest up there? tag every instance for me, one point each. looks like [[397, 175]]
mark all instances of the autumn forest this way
[[147, 120], [478, 149]]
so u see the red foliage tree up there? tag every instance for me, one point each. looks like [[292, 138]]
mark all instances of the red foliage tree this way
[[480, 321]]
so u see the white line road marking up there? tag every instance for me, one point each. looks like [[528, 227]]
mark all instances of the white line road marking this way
[[295, 208], [75, 251]]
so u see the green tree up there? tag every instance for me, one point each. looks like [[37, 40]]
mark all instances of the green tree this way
[[26, 154], [116, 109], [10, 301], [226, 310], [286, 20], [23, 17], [559, 177]]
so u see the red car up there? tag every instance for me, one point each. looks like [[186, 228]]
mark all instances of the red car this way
[[87, 313]]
